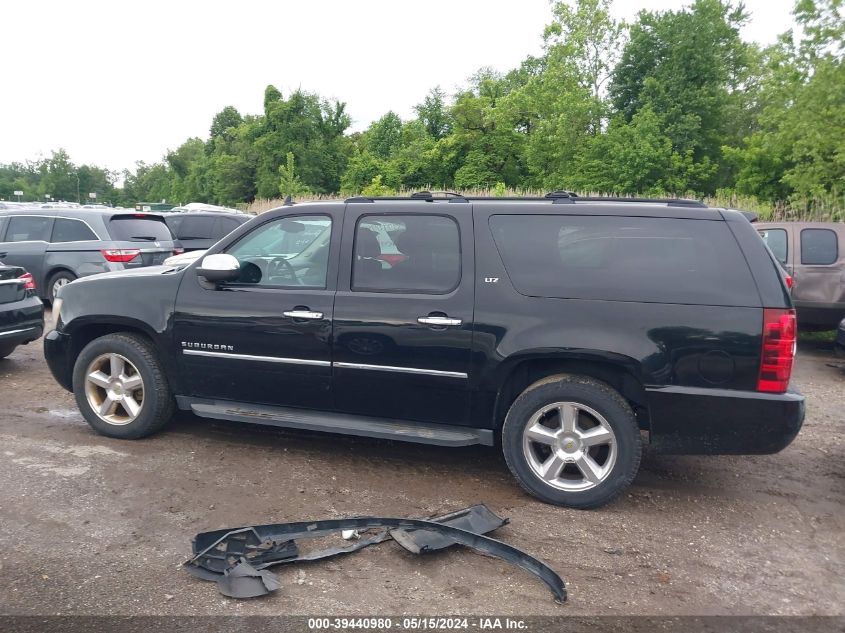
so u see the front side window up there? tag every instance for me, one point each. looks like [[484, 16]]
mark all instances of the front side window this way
[[775, 239], [818, 247], [67, 230], [288, 252], [406, 253], [29, 229]]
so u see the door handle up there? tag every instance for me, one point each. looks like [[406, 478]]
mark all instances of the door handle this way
[[4, 255], [438, 320], [303, 314]]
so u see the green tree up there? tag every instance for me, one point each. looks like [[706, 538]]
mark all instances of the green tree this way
[[290, 184]]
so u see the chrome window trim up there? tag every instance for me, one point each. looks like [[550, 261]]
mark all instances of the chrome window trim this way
[[266, 359], [404, 370]]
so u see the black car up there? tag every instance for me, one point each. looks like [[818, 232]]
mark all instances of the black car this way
[[196, 230], [839, 342], [559, 327], [21, 311]]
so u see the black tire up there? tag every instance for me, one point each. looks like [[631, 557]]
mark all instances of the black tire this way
[[7, 349], [157, 405], [595, 395], [62, 275]]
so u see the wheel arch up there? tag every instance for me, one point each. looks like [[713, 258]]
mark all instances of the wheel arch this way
[[620, 372], [83, 330]]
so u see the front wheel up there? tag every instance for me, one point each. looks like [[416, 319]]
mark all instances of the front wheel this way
[[6, 349], [120, 387], [572, 441]]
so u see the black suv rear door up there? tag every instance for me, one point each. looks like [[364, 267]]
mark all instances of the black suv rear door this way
[[265, 339], [404, 310]]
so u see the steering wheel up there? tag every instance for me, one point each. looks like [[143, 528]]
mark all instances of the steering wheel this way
[[281, 267]]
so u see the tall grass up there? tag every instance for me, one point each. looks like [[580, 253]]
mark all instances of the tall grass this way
[[823, 208]]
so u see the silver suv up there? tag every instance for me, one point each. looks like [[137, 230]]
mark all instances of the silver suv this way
[[61, 244]]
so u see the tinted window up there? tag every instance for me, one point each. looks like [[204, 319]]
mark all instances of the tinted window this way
[[224, 226], [818, 247], [65, 230], [406, 253], [624, 259], [29, 229], [291, 251], [775, 239], [130, 228], [192, 228]]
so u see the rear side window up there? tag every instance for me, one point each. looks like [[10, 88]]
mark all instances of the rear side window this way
[[655, 260], [818, 247], [29, 229], [192, 228], [775, 239], [67, 230], [224, 226], [406, 253], [132, 228]]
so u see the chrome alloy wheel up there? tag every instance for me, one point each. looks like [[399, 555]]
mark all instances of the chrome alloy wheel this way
[[114, 389], [61, 281], [569, 446]]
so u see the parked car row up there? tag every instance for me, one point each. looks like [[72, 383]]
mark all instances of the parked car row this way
[[57, 245]]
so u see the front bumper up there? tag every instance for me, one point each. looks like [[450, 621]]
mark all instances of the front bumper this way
[[57, 355], [21, 321], [693, 420]]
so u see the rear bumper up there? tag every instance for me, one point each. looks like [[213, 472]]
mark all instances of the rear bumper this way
[[21, 321], [57, 355], [693, 420]]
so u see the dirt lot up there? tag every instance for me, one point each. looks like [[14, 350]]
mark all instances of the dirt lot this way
[[90, 525]]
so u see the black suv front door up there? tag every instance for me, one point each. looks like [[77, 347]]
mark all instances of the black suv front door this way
[[403, 312], [266, 338]]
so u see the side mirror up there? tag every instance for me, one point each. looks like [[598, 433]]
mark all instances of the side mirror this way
[[219, 267]]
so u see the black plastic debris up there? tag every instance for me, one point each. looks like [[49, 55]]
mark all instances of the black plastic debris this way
[[245, 581], [235, 558]]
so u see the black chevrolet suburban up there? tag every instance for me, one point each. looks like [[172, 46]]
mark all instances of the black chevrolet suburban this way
[[562, 328]]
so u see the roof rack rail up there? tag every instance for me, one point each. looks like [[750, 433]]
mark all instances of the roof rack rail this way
[[672, 202]]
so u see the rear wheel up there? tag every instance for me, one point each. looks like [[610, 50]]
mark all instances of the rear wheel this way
[[56, 281], [572, 441], [120, 387]]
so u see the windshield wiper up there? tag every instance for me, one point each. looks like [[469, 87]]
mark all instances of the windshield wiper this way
[[148, 238]]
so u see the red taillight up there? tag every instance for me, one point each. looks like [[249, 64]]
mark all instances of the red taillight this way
[[779, 337], [178, 251], [29, 281], [788, 279], [120, 255], [392, 258]]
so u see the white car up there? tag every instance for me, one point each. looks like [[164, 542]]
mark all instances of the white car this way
[[184, 259]]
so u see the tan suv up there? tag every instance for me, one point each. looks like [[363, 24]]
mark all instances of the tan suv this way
[[813, 253]]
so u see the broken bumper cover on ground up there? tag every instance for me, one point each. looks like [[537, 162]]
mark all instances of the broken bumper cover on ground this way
[[238, 559]]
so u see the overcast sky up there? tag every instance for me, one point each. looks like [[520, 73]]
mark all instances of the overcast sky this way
[[115, 82]]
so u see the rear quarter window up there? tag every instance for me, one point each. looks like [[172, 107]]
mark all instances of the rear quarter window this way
[[776, 240], [655, 260], [131, 228]]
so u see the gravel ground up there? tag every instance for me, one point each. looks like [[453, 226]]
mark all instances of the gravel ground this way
[[90, 525]]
